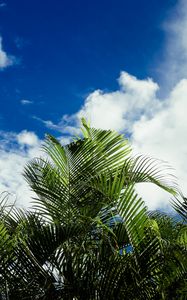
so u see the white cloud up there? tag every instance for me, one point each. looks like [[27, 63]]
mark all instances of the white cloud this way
[[67, 125], [27, 138], [164, 136], [16, 150], [26, 101], [13, 158], [157, 127], [174, 67], [118, 110], [5, 59]]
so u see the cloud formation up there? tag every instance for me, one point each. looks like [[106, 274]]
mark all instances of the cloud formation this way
[[156, 127], [164, 136], [27, 138], [120, 109], [175, 52], [15, 151], [5, 59]]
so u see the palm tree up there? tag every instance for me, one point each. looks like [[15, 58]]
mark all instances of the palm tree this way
[[172, 232], [75, 243]]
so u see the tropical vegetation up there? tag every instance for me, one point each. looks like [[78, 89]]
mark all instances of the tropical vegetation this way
[[89, 235]]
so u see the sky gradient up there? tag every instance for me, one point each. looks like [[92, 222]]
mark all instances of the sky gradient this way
[[121, 64]]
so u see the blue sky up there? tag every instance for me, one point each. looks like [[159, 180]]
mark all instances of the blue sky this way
[[122, 64], [65, 49]]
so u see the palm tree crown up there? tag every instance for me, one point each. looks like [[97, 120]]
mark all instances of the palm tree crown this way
[[90, 235]]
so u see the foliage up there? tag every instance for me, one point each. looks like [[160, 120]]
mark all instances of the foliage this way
[[89, 235]]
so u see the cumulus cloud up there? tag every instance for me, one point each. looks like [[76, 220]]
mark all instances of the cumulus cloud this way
[[164, 136], [116, 110], [27, 138], [5, 59], [13, 157], [156, 127], [120, 109]]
